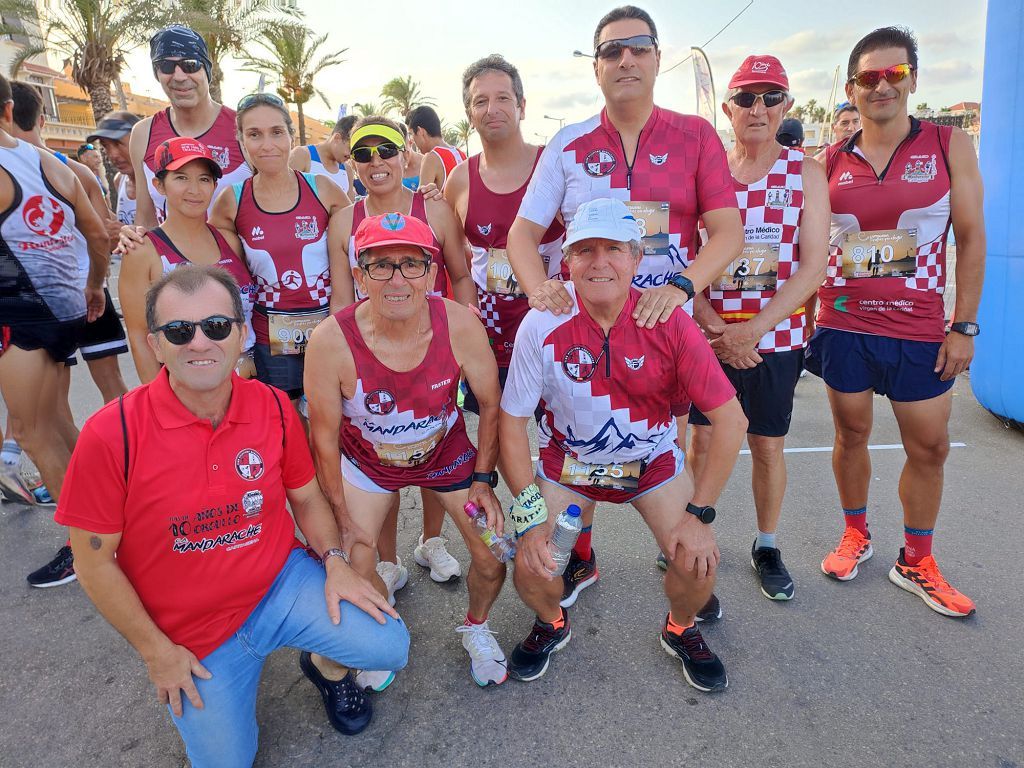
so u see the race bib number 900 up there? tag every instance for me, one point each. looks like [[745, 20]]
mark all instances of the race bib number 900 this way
[[755, 269], [289, 333], [880, 253], [619, 477]]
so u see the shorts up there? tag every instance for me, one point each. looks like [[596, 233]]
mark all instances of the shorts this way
[[765, 391], [902, 370], [281, 371], [459, 481], [58, 338], [659, 470], [473, 406], [103, 337]]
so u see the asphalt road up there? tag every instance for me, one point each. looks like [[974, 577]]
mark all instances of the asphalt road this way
[[855, 674]]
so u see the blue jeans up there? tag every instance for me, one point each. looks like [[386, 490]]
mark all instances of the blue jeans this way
[[293, 613]]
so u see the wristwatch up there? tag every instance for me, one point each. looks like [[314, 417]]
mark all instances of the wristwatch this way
[[683, 284], [966, 328], [491, 478], [334, 552], [705, 514]]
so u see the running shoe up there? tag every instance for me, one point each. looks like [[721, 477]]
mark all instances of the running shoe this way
[[578, 575], [854, 548], [394, 575], [701, 667], [43, 497], [432, 554], [60, 570], [530, 658], [13, 487], [487, 661], [925, 581], [348, 708], [375, 680], [712, 610], [661, 561], [776, 583]]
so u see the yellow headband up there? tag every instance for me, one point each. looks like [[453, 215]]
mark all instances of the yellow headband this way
[[381, 131]]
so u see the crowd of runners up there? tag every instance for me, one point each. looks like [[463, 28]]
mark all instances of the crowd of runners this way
[[308, 324]]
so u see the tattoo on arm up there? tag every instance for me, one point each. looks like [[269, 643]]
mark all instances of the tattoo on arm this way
[[95, 542]]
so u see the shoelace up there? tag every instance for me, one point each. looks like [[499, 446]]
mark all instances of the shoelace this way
[[694, 644], [435, 548], [481, 638], [769, 559], [930, 571], [539, 637], [850, 545]]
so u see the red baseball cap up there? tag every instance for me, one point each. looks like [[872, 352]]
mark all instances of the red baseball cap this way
[[394, 229], [760, 69], [181, 150]]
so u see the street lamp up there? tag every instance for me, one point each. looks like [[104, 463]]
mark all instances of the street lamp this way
[[559, 120], [582, 55]]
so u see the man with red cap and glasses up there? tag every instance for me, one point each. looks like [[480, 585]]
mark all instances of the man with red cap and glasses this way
[[754, 311], [895, 187]]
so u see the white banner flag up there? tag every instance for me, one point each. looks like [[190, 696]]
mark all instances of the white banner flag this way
[[706, 106]]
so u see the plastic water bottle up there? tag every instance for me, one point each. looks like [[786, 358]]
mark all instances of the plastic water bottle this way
[[563, 538], [502, 547]]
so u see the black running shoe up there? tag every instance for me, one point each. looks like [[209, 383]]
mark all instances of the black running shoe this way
[[776, 583], [58, 571], [701, 667], [348, 708], [579, 574], [529, 660], [712, 610]]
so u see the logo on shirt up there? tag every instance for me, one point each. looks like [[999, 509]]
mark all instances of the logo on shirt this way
[[483, 229], [291, 279], [306, 228], [379, 402], [579, 364], [921, 170], [43, 215], [249, 464], [840, 303], [659, 159], [252, 503], [441, 384], [257, 233], [635, 363], [221, 154], [845, 178], [760, 67], [599, 162], [779, 197]]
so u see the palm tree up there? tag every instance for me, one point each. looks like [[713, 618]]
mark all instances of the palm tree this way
[[402, 95], [293, 51], [463, 130], [367, 108]]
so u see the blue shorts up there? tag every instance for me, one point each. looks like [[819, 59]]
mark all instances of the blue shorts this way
[[902, 370], [281, 371]]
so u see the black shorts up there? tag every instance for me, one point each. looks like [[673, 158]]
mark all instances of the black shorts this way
[[103, 337], [765, 391], [281, 371], [471, 404], [59, 339]]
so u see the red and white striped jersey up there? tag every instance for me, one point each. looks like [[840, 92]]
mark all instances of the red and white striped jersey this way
[[450, 157]]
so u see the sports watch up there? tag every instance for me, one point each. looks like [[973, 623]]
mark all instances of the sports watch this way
[[491, 478], [683, 284], [966, 328], [705, 514]]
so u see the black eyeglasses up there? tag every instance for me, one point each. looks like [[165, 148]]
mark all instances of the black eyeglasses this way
[[387, 150], [216, 328], [747, 100], [639, 45], [385, 270], [188, 66], [259, 98]]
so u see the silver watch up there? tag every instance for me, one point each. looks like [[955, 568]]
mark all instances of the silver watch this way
[[335, 552]]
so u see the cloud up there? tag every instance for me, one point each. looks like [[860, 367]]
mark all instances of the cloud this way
[[815, 80], [569, 101], [950, 71]]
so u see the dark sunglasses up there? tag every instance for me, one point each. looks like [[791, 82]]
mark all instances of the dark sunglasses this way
[[385, 270], [747, 100], [179, 332], [259, 98], [387, 150], [188, 66], [639, 45], [870, 78]]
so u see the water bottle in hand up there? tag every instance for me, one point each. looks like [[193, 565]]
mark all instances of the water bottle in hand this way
[[563, 538], [502, 547]]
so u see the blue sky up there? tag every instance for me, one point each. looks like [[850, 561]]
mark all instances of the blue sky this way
[[434, 41]]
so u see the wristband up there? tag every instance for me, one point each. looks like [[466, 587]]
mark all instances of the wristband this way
[[528, 510]]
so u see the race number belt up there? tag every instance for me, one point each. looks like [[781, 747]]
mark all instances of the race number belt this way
[[880, 253], [652, 218], [289, 331], [500, 277], [755, 269], [619, 477], [409, 454]]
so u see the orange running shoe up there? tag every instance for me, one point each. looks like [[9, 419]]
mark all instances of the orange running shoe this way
[[841, 563], [925, 581]]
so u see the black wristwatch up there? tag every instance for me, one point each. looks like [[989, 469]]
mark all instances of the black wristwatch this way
[[491, 478], [683, 284], [705, 514], [966, 328]]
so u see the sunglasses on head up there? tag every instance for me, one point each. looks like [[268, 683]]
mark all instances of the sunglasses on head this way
[[747, 100], [611, 50], [188, 66], [387, 150], [259, 98], [179, 332], [870, 78]]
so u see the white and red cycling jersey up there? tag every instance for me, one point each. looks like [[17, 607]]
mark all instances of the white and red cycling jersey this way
[[887, 261], [680, 171]]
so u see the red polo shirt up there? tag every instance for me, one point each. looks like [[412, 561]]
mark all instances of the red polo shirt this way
[[204, 529]]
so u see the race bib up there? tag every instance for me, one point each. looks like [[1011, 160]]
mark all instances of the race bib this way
[[289, 332], [619, 477], [652, 218], [500, 277], [409, 454], [881, 253], [755, 269]]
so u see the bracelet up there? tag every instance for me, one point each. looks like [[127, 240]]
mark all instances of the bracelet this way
[[528, 510], [334, 552]]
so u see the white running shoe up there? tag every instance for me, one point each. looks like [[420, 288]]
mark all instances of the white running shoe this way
[[394, 575], [374, 679], [487, 661], [13, 486], [432, 554]]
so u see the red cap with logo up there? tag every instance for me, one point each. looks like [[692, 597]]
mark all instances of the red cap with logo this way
[[181, 150], [759, 69], [394, 229]]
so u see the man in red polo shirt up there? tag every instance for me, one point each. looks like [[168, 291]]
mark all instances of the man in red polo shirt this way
[[195, 561]]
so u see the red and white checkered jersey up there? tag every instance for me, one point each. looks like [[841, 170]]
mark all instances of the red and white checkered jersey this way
[[679, 172], [912, 194], [608, 398], [771, 208]]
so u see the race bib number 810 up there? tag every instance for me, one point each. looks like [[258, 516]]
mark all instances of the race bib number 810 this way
[[880, 253]]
